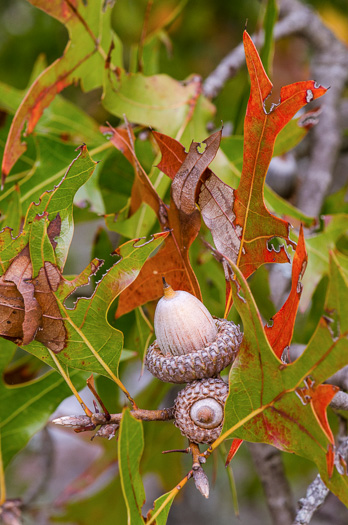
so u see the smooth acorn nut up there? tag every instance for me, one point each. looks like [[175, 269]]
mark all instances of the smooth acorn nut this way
[[207, 413], [182, 323], [190, 343], [199, 409]]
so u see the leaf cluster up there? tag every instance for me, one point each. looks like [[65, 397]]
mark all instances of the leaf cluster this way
[[211, 223]]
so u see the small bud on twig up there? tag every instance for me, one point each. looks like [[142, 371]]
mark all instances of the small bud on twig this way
[[73, 421], [201, 481]]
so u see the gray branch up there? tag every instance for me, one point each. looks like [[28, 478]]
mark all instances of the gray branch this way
[[315, 496], [296, 18], [340, 401], [269, 466]]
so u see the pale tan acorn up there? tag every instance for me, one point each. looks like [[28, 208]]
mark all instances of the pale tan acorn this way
[[199, 409], [190, 343], [182, 323]]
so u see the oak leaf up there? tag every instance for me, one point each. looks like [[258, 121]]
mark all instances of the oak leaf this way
[[285, 404], [239, 221], [86, 25], [279, 333], [183, 221]]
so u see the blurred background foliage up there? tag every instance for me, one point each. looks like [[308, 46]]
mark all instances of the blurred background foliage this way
[[184, 38]]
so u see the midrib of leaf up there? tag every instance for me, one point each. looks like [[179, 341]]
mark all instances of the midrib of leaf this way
[[59, 174], [93, 350], [251, 190], [88, 344], [256, 238]]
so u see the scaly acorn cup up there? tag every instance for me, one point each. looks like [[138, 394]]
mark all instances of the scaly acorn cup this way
[[199, 409], [190, 343]]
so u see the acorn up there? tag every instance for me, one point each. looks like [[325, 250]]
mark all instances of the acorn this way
[[190, 343], [182, 323], [199, 410]]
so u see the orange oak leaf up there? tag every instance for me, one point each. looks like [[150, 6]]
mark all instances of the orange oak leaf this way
[[142, 190], [239, 221], [261, 128], [83, 26], [183, 219], [280, 333]]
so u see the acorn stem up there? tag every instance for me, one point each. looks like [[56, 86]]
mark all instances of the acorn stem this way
[[168, 291]]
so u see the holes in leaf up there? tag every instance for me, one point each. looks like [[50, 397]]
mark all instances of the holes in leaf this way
[[332, 322]]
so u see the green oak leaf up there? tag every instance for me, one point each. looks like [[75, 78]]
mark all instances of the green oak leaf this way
[[52, 202], [130, 450], [25, 408], [91, 342], [60, 201], [264, 403]]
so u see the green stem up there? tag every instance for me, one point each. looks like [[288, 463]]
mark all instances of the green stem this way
[[232, 483], [69, 383], [171, 495]]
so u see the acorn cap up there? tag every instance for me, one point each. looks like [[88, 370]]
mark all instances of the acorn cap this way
[[199, 410], [206, 362]]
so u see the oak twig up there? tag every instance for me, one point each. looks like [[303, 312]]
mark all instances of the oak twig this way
[[340, 401], [82, 423]]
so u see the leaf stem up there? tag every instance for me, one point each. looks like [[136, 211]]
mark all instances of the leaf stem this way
[[171, 495], [104, 365], [232, 483], [69, 383], [57, 176], [147, 321]]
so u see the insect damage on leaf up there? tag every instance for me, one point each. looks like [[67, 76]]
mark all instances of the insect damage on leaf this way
[[29, 309]]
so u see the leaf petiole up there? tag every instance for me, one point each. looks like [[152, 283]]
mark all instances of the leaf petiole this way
[[69, 383]]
